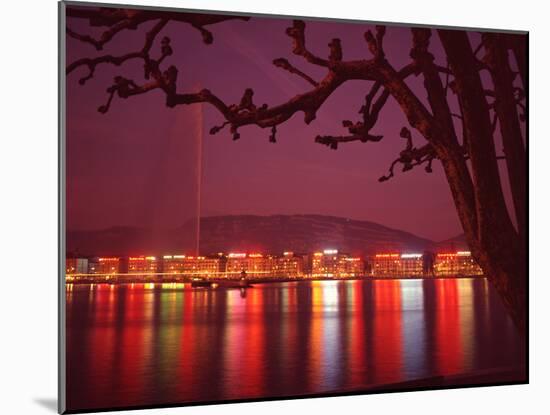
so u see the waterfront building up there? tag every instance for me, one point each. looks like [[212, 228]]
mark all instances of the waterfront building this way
[[332, 264], [174, 264], [386, 265], [93, 265], [255, 265], [193, 266], [411, 264], [76, 266], [397, 265], [457, 263], [416, 264], [289, 265], [467, 265], [353, 267], [211, 266], [143, 265], [328, 263], [107, 265], [446, 264]]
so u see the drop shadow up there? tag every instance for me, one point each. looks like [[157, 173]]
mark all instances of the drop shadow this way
[[48, 403]]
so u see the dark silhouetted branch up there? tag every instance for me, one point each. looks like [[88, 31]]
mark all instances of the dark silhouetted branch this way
[[411, 156], [150, 36], [284, 64], [118, 20], [297, 33]]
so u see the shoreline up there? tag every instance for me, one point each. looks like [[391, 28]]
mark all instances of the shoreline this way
[[121, 280]]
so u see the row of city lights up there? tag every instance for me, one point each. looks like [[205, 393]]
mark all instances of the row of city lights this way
[[287, 253], [416, 256]]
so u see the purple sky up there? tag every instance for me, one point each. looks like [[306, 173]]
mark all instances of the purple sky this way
[[137, 164]]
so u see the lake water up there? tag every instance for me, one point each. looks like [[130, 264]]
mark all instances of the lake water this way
[[148, 344]]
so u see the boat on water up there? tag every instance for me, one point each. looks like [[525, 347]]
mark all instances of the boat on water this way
[[205, 283], [201, 283]]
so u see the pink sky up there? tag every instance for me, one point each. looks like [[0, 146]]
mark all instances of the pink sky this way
[[137, 164]]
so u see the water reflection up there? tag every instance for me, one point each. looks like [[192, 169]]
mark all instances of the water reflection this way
[[388, 336], [144, 344], [413, 326]]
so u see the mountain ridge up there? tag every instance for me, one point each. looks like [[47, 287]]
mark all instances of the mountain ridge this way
[[262, 233]]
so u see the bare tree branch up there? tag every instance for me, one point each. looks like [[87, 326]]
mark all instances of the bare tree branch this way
[[92, 63], [297, 33], [118, 20], [284, 64], [411, 156]]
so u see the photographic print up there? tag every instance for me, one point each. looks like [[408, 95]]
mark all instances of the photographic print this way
[[262, 207]]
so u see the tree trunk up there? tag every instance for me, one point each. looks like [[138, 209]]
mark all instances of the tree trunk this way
[[506, 111], [509, 278], [495, 244]]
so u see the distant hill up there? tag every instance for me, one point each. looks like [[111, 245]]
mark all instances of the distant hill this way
[[302, 233], [458, 243], [276, 233]]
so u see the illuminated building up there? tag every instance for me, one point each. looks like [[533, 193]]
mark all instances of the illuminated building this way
[[317, 264], [192, 265], [326, 264], [289, 265], [214, 267], [353, 267], [258, 265], [76, 266], [332, 264], [467, 265], [446, 264], [143, 265], [458, 263], [107, 265], [174, 264], [411, 264], [232, 265], [397, 265], [386, 264], [93, 265], [255, 265]]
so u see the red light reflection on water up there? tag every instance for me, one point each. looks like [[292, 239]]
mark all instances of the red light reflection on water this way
[[149, 344], [288, 326], [135, 340], [315, 344], [244, 344], [254, 345], [449, 353], [387, 331], [357, 345], [188, 348], [100, 353]]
